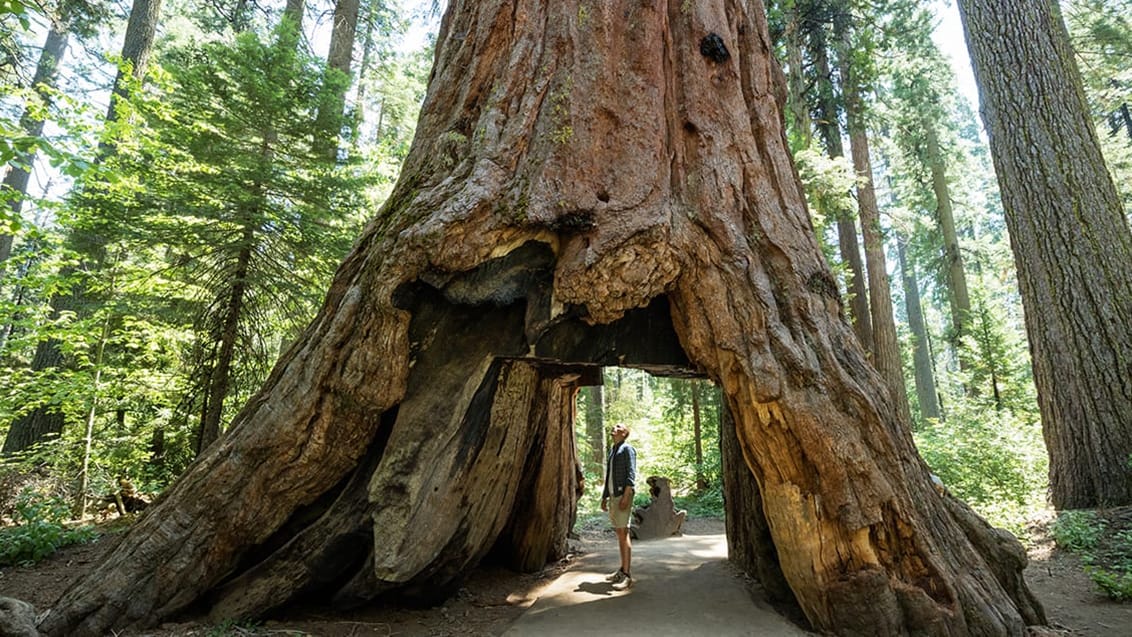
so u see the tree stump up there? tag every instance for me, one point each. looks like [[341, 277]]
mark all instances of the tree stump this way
[[658, 518], [590, 184]]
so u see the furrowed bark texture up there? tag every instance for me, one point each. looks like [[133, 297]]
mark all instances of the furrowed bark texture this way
[[590, 185], [1071, 243]]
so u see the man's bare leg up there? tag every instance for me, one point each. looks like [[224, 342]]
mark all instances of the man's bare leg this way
[[626, 549]]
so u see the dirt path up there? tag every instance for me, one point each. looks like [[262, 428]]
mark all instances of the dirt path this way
[[1071, 600], [684, 586]]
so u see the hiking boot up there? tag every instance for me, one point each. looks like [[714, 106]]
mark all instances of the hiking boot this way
[[624, 584], [615, 576]]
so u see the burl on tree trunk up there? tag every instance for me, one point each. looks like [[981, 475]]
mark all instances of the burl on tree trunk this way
[[591, 184]]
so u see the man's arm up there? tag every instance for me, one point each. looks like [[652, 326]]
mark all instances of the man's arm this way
[[626, 498], [630, 479]]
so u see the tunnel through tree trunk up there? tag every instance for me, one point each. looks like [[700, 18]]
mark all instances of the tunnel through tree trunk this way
[[589, 185]]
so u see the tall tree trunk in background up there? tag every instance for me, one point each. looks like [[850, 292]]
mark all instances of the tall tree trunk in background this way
[[595, 428], [41, 423], [368, 42], [293, 11], [590, 184], [136, 48], [885, 347], [328, 121], [220, 372], [698, 434], [796, 101], [830, 130], [15, 186], [926, 393], [1071, 242], [957, 295], [1126, 118]]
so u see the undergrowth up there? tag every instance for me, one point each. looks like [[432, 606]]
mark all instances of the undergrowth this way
[[40, 529], [1103, 541]]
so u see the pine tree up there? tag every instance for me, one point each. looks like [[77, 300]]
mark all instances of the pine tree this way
[[240, 192]]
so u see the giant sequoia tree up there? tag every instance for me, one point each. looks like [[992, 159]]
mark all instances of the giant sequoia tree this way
[[591, 184], [1071, 243]]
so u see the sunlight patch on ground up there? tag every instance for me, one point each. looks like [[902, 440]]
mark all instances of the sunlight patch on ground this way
[[716, 549]]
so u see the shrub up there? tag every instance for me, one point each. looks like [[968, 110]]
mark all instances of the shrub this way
[[39, 531], [996, 462], [1105, 549], [1077, 531], [705, 504], [1117, 585]]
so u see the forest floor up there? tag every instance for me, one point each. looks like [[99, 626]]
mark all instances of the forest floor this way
[[493, 600]]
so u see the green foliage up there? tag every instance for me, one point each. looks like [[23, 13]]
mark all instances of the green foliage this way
[[1116, 584], [132, 272], [1077, 530], [993, 460], [1104, 547], [1101, 33], [703, 504], [997, 359], [39, 530], [217, 177], [829, 185], [15, 21]]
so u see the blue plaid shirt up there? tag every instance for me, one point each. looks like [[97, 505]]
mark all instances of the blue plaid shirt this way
[[620, 470]]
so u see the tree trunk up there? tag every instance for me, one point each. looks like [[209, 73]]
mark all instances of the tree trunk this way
[[749, 542], [328, 121], [698, 435], [1071, 242], [659, 518], [850, 249], [1126, 120], [590, 185], [43, 422], [359, 114], [885, 347], [293, 11], [546, 497], [15, 186], [140, 32], [926, 394], [220, 372], [796, 101], [958, 297], [595, 428]]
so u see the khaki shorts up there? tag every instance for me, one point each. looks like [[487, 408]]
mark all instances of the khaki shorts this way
[[618, 516]]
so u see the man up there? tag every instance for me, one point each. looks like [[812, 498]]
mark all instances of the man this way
[[620, 483]]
